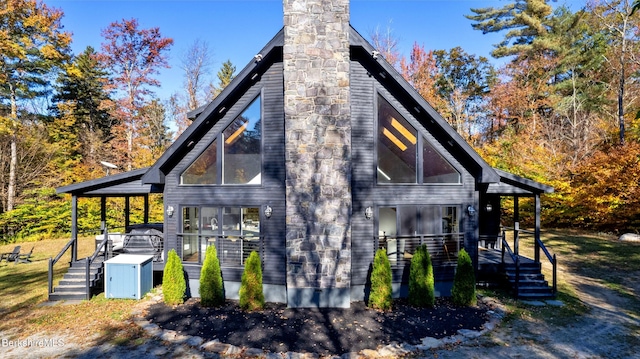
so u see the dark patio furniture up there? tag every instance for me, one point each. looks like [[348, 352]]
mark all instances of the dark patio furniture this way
[[11, 256], [25, 258]]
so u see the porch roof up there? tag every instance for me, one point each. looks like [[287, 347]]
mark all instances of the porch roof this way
[[118, 185], [514, 185]]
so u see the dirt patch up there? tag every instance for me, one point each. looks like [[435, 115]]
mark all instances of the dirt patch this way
[[607, 330]]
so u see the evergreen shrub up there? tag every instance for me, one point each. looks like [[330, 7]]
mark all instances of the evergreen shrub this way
[[211, 285], [381, 291], [463, 292], [174, 285], [251, 295], [421, 279]]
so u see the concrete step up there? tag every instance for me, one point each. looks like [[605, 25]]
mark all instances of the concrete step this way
[[57, 296]]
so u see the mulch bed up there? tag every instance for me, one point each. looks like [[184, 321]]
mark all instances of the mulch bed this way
[[322, 331]]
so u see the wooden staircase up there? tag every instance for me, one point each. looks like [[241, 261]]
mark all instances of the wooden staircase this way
[[73, 286], [530, 283]]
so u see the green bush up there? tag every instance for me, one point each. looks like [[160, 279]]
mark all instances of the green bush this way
[[421, 280], [211, 287], [463, 292], [381, 292], [174, 285], [251, 295]]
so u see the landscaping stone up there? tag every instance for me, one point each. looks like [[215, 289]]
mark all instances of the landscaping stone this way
[[428, 343], [534, 303], [630, 237], [469, 333], [555, 303]]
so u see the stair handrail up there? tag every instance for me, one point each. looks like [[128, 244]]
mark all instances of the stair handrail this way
[[89, 260], [515, 258], [53, 261], [554, 263]]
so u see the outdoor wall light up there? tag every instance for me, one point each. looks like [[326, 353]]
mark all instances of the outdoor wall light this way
[[170, 211], [368, 212], [268, 211], [471, 210], [488, 207]]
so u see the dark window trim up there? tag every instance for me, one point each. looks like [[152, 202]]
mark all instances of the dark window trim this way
[[232, 116], [423, 134]]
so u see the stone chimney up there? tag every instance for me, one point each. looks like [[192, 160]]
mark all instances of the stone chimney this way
[[317, 152]]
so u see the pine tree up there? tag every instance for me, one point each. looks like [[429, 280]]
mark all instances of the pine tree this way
[[421, 279], [251, 295], [463, 292], [211, 285], [174, 285], [381, 290], [225, 76]]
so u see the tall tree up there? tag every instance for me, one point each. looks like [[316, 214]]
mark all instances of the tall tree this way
[[421, 71], [81, 89], [32, 43], [387, 44], [524, 20], [463, 81], [225, 76], [616, 18], [134, 56], [196, 65]]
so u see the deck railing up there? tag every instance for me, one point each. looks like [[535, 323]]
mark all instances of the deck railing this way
[[538, 246], [72, 244], [233, 250], [443, 248]]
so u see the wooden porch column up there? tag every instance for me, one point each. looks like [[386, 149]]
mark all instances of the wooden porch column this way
[[146, 208], [516, 225], [126, 212], [537, 229], [103, 213], [74, 227]]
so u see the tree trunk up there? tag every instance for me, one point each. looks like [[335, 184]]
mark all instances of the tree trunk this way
[[13, 163]]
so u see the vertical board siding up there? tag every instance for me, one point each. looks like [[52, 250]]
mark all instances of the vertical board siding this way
[[364, 91], [271, 192]]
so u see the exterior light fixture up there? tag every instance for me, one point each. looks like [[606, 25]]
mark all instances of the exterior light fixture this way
[[170, 211], [268, 211], [488, 207], [368, 212], [471, 210]]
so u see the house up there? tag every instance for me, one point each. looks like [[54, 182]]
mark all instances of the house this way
[[317, 154]]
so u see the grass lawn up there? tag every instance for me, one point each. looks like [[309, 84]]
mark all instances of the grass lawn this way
[[23, 288], [23, 291]]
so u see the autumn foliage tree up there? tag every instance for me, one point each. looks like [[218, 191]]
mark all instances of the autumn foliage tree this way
[[32, 44], [134, 56]]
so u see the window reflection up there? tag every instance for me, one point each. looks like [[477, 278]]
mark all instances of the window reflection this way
[[396, 146]]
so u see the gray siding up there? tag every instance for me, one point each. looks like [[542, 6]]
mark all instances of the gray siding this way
[[366, 192], [270, 192]]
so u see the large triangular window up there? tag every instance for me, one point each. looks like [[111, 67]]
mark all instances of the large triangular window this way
[[406, 157], [239, 160]]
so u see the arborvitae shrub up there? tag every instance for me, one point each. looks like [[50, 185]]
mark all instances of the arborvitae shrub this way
[[421, 280], [211, 286], [174, 285], [251, 295], [381, 292], [463, 292]]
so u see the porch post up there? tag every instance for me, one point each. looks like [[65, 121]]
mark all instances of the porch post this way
[[103, 213], [516, 225], [537, 229], [126, 212], [146, 208], [74, 227]]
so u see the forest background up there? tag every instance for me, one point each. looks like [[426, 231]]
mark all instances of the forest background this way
[[563, 109]]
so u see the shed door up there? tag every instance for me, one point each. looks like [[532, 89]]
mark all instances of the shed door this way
[[123, 281]]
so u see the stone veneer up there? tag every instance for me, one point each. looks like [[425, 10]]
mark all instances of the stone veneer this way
[[317, 152]]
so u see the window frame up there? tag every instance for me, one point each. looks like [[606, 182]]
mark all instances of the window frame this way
[[422, 136], [219, 139]]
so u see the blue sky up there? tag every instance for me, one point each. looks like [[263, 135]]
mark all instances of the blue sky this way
[[237, 30]]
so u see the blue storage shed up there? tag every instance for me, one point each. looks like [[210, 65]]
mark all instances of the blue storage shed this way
[[128, 276]]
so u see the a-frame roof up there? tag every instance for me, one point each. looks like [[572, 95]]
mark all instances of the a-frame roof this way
[[205, 117]]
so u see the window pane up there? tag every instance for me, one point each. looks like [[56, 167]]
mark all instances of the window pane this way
[[190, 224], [435, 168], [242, 148], [202, 170], [397, 142]]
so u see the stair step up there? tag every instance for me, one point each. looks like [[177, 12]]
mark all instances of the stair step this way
[[530, 283], [56, 296], [534, 289], [534, 296], [69, 289]]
